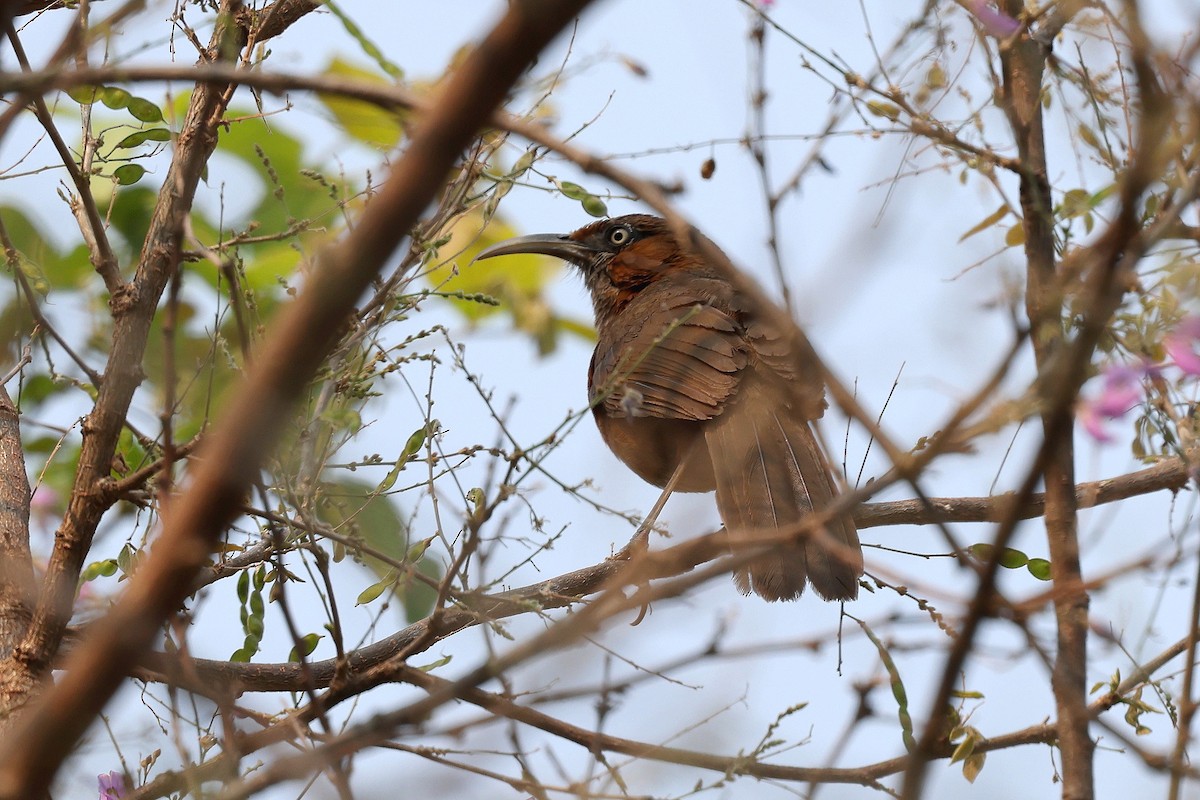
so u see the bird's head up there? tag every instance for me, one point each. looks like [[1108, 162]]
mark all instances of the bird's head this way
[[617, 257]]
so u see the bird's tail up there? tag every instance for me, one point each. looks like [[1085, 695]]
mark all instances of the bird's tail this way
[[769, 474]]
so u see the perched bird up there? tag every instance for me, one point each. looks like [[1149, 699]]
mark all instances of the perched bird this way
[[685, 377]]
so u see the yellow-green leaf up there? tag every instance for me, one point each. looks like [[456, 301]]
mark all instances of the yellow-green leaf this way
[[1015, 236], [985, 223], [441, 662], [882, 109], [373, 591], [418, 549], [514, 279], [304, 648], [366, 122]]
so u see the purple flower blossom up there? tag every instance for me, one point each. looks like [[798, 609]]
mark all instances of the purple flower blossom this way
[[1181, 345], [112, 785], [994, 21]]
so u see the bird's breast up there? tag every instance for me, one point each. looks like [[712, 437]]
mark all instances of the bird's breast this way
[[654, 447]]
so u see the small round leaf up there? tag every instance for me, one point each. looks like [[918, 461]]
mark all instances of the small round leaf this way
[[129, 174]]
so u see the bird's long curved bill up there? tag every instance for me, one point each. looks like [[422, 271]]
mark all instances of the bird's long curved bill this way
[[546, 244]]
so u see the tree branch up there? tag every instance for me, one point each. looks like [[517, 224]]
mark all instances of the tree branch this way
[[17, 587], [253, 420]]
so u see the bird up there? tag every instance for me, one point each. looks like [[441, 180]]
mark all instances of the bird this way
[[691, 388]]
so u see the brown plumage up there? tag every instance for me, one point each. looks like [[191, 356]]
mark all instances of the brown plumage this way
[[684, 372]]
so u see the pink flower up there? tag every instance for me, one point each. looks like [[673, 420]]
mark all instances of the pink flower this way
[[1181, 344], [995, 22], [1093, 423], [112, 785], [1121, 391]]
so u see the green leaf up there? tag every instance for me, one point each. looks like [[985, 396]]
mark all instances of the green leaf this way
[[417, 439], [114, 97], [307, 644], [594, 205], [39, 387], [142, 109], [1009, 558], [129, 174], [140, 137], [372, 592], [1039, 568], [84, 95], [99, 569], [981, 550], [573, 191], [1013, 559], [1015, 236], [390, 479], [898, 691], [417, 551]]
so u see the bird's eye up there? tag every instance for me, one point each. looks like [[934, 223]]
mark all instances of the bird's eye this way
[[620, 236]]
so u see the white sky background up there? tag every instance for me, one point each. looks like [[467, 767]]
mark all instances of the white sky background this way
[[880, 282]]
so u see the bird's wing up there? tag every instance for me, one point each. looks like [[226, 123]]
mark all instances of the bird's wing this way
[[680, 363], [798, 384]]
